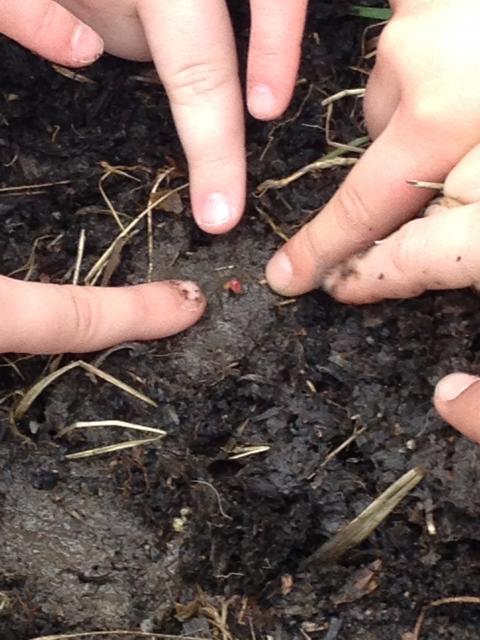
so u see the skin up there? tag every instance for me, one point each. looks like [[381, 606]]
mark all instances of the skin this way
[[422, 109], [193, 48]]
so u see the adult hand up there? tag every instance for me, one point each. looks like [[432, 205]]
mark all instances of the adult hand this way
[[193, 47], [423, 108]]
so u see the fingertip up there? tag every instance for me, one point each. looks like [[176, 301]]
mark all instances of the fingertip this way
[[217, 212], [191, 297], [453, 385], [295, 268], [279, 273], [262, 102], [87, 46], [51, 31], [457, 400]]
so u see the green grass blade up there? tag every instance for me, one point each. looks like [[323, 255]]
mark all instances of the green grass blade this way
[[372, 13]]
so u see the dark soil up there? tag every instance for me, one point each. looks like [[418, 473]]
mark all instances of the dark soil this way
[[132, 540]]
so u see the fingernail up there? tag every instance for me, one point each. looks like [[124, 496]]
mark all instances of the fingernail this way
[[279, 271], [87, 45], [261, 101], [454, 385], [191, 293], [216, 211]]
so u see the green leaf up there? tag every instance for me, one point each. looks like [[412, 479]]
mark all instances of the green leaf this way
[[372, 13]]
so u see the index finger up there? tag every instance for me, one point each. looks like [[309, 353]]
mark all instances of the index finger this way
[[194, 51], [374, 200], [52, 318]]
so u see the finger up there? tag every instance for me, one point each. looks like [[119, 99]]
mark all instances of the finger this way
[[274, 55], [374, 199], [46, 28], [440, 251], [47, 318], [381, 100], [121, 30], [457, 400], [194, 51], [463, 182]]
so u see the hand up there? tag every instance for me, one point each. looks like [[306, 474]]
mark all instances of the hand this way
[[457, 399], [193, 47], [423, 108], [440, 251], [50, 318], [51, 31]]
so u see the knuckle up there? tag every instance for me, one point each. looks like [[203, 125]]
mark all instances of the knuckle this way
[[404, 252], [391, 42], [211, 162], [197, 80], [83, 318], [353, 215], [310, 241], [265, 51], [44, 24], [428, 114]]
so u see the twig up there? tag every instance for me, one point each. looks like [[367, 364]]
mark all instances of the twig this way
[[364, 524], [344, 445], [27, 187], [98, 267], [415, 635], [219, 500], [80, 252], [32, 394], [119, 632], [329, 160], [118, 446], [421, 184], [343, 94], [273, 225], [296, 115]]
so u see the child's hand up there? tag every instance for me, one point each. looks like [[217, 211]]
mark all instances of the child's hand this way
[[438, 251], [51, 31], [423, 107], [193, 47], [457, 399], [48, 318]]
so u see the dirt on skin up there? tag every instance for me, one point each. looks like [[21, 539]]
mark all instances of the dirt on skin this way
[[169, 537]]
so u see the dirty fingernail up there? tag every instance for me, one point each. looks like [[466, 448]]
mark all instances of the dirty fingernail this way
[[454, 385], [261, 101], [192, 296], [216, 211], [87, 45], [279, 271]]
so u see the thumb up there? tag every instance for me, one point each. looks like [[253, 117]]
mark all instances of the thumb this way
[[374, 200], [45, 27], [457, 400]]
